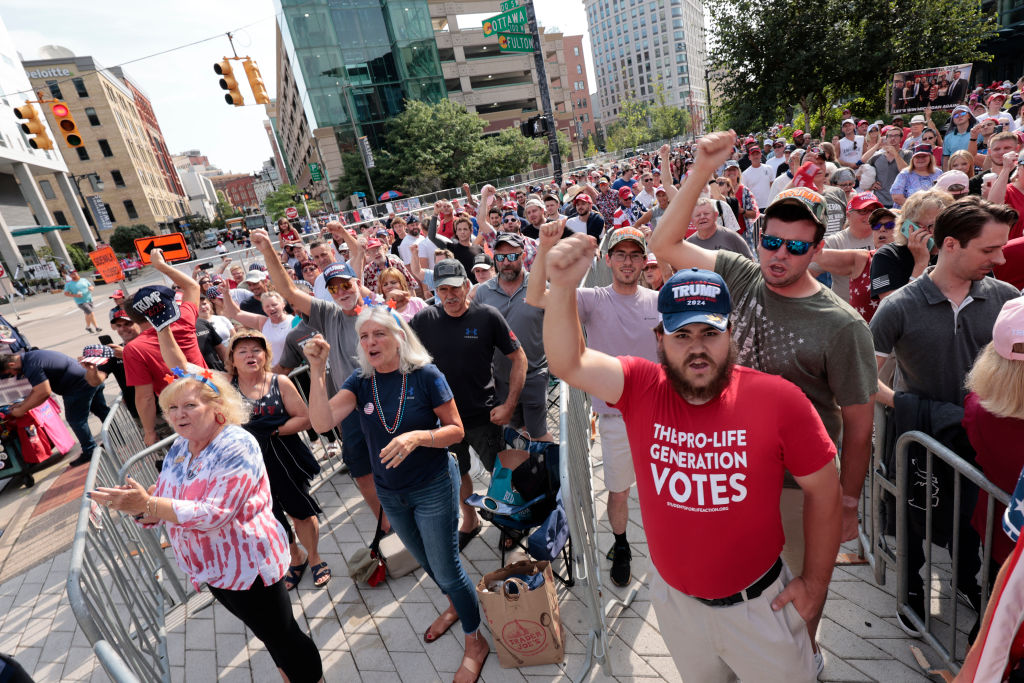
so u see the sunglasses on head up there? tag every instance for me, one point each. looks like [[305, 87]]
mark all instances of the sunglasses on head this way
[[887, 225], [794, 247], [343, 286], [511, 258]]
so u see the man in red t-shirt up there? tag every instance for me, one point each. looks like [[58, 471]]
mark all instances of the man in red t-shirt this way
[[711, 441], [144, 367]]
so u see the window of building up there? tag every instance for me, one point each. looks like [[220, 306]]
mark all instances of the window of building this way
[[60, 218], [105, 148], [118, 178], [80, 87], [47, 189], [90, 112], [129, 206], [110, 213], [83, 154], [579, 68], [55, 89], [576, 51]]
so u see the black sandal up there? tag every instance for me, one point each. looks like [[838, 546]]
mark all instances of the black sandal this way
[[294, 575], [466, 536]]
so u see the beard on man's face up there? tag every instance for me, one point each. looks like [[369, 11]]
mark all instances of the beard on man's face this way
[[698, 393]]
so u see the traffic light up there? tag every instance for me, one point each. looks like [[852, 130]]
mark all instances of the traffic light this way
[[66, 124], [33, 126], [228, 82], [259, 91]]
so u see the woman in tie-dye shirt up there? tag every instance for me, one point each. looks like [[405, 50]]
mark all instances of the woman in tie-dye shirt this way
[[213, 497]]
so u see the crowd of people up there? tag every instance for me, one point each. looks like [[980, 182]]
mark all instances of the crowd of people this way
[[762, 299]]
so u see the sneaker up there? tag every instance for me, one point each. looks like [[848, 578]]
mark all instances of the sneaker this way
[[819, 661], [620, 573], [915, 601]]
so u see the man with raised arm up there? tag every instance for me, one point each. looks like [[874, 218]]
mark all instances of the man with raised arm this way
[[711, 441], [787, 323], [336, 321]]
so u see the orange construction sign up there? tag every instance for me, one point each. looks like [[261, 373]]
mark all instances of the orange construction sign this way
[[172, 244], [107, 264]]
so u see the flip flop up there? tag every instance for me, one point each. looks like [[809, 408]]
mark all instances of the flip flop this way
[[321, 574], [294, 575], [473, 666], [466, 536], [428, 637]]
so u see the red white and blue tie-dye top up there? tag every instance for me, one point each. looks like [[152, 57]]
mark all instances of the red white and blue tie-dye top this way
[[226, 533]]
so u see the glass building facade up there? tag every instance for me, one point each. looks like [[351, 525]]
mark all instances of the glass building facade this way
[[361, 58]]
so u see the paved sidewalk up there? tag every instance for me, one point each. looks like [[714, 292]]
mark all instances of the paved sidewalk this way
[[374, 634]]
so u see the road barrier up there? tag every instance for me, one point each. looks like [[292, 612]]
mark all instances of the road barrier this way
[[945, 638]]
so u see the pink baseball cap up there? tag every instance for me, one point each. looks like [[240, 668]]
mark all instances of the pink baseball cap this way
[[1009, 329]]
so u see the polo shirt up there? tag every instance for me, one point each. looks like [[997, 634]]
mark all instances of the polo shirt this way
[[936, 343], [526, 321]]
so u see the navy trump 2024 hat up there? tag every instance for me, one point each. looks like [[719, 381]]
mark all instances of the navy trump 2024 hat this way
[[694, 296]]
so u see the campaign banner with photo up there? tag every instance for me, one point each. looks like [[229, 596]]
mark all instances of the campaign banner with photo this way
[[941, 88]]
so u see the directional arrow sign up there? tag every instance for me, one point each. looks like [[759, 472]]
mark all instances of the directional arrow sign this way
[[513, 21], [172, 244], [515, 42]]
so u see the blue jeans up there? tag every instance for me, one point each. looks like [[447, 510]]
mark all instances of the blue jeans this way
[[427, 521], [77, 407]]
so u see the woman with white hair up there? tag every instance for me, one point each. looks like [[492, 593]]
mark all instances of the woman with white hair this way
[[409, 418]]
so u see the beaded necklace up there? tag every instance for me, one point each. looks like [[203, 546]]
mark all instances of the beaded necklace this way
[[380, 410]]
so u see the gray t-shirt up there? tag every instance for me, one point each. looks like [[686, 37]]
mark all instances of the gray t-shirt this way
[[723, 239], [526, 321], [844, 239], [835, 207], [818, 343], [885, 174], [619, 325], [339, 330], [935, 345]]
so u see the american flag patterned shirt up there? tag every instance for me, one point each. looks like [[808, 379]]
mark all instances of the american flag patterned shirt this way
[[226, 533]]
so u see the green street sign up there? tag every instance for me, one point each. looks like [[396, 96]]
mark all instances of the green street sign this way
[[314, 172], [509, 4], [513, 20], [515, 42]]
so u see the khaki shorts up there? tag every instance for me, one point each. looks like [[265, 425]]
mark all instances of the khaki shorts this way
[[618, 461], [748, 641]]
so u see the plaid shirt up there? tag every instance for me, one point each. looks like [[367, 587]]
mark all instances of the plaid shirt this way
[[371, 272], [607, 203]]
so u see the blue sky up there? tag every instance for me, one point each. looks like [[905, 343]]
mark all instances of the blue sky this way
[[187, 100]]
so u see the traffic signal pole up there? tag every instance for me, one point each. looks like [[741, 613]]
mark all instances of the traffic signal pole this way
[[545, 96]]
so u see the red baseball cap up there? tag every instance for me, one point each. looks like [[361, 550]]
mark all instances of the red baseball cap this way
[[625, 193], [373, 243], [582, 197], [797, 133], [863, 200]]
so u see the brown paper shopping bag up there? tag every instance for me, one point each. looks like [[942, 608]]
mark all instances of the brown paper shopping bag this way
[[524, 622]]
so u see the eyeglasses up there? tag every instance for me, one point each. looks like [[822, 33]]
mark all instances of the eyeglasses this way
[[343, 286], [308, 268], [794, 247], [621, 256], [510, 220], [511, 258], [960, 115], [888, 225]]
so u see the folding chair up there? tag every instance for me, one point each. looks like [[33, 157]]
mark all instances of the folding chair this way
[[530, 514]]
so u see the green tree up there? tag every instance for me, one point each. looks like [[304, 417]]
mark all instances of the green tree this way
[[280, 199], [832, 51], [123, 238], [509, 152], [591, 148], [224, 208], [79, 258]]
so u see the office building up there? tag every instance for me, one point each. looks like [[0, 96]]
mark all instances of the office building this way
[[582, 101], [119, 133], [201, 195], [646, 50], [238, 189], [26, 223]]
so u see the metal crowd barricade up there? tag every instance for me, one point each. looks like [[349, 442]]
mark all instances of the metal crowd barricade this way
[[876, 502], [121, 585], [578, 493], [947, 642]]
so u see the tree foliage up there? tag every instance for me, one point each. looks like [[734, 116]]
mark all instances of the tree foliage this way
[[772, 55], [641, 122], [280, 199], [224, 207], [123, 238], [429, 147]]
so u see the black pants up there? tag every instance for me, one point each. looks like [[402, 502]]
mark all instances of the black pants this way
[[267, 611]]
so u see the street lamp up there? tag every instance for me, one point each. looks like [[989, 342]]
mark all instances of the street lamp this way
[[97, 186]]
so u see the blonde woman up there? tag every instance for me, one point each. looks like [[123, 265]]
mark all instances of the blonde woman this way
[[912, 248], [962, 160], [275, 323], [920, 175], [393, 286]]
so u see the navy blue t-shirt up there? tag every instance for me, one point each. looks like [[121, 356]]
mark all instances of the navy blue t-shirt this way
[[65, 374], [425, 390]]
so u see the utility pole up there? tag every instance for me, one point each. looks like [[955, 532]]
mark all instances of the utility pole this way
[[545, 96]]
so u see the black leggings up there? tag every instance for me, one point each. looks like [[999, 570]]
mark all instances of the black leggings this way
[[267, 611]]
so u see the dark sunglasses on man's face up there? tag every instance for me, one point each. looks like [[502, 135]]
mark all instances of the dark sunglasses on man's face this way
[[511, 258], [794, 247], [887, 225]]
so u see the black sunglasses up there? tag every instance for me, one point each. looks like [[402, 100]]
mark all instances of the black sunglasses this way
[[794, 247]]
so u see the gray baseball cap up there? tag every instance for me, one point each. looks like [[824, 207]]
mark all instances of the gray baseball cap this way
[[449, 272]]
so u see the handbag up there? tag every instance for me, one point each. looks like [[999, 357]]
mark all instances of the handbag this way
[[385, 556]]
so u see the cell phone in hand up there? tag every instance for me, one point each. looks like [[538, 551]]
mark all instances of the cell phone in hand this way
[[205, 266], [998, 129], [105, 339]]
